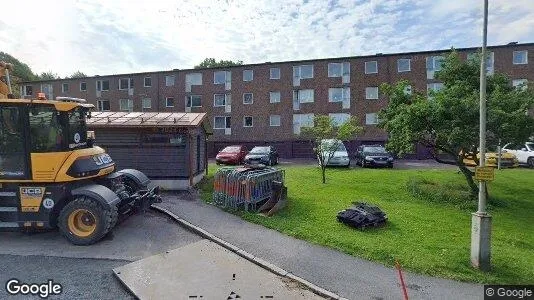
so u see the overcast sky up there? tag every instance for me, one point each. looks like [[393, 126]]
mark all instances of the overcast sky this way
[[109, 37]]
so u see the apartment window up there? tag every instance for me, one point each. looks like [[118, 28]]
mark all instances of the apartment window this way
[[219, 100], [371, 119], [339, 118], [489, 61], [169, 102], [274, 73], [371, 92], [371, 67], [274, 120], [520, 57], [247, 121], [126, 104], [303, 72], [169, 80], [83, 86], [302, 120], [408, 90], [433, 87], [219, 77], [103, 105], [274, 97], [147, 82], [248, 75], [102, 85], [338, 94], [194, 101], [222, 122], [27, 90], [125, 83], [338, 69], [403, 65], [194, 78], [65, 87], [305, 96], [146, 103], [520, 83], [248, 98], [433, 64]]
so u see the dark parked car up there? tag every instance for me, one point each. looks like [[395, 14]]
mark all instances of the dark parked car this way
[[266, 155], [231, 155], [373, 155]]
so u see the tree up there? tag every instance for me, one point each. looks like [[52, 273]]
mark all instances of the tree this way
[[447, 121], [48, 76], [212, 63], [324, 128], [77, 74], [21, 72]]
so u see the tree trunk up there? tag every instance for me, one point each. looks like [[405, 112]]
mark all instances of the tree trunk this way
[[469, 177], [323, 170]]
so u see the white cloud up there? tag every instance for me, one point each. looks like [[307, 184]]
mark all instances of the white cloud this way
[[105, 37]]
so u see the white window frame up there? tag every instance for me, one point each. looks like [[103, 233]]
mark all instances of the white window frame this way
[[25, 91], [215, 76], [130, 105], [215, 101], [191, 101], [297, 121], [102, 85], [404, 60], [375, 62], [275, 117], [299, 92], [271, 73], [345, 92], [490, 62], [143, 101], [245, 123], [167, 101], [99, 104], [144, 81], [85, 86], [433, 87], [63, 88], [330, 67], [189, 78], [408, 90], [520, 63], [128, 85], [300, 67], [435, 59], [335, 117], [369, 96], [225, 122], [168, 77], [251, 98], [251, 75], [521, 81], [275, 100], [375, 117]]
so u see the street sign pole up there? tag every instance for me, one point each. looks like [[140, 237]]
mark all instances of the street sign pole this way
[[481, 220]]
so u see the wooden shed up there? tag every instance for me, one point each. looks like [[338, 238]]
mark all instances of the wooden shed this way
[[170, 148]]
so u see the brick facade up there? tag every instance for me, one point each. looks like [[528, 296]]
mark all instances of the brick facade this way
[[261, 85]]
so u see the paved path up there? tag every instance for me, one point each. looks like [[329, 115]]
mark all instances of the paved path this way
[[345, 275]]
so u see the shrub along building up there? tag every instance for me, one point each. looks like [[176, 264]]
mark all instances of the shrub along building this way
[[268, 103]]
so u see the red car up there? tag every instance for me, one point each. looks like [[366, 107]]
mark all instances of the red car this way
[[231, 155]]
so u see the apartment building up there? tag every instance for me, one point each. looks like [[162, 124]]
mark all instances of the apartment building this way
[[268, 103]]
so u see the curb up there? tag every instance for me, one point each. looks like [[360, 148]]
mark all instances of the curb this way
[[244, 254]]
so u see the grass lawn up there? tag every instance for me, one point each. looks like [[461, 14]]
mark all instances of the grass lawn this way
[[424, 236]]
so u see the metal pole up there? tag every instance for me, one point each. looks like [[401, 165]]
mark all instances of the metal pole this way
[[500, 154], [481, 221]]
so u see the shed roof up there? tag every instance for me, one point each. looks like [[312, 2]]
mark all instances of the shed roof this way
[[147, 119]]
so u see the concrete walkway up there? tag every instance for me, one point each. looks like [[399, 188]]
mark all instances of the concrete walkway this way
[[345, 275]]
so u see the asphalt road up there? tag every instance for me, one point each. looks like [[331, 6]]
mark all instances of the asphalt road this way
[[85, 272]]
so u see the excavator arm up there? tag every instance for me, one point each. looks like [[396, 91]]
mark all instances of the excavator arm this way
[[5, 81]]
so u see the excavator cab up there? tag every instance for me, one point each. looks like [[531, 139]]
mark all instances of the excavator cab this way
[[51, 174]]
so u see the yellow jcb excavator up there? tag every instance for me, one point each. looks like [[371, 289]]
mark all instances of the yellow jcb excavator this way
[[51, 174]]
